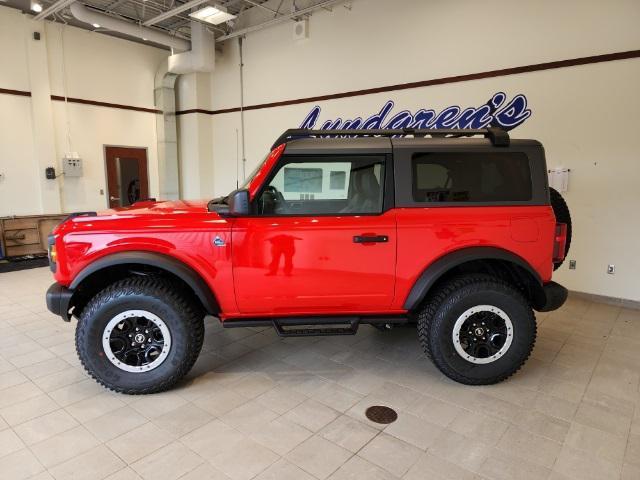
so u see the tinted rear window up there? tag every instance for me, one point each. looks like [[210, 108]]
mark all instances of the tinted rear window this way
[[471, 177]]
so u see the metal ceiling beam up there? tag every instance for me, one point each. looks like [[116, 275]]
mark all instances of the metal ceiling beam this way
[[174, 11], [280, 19], [115, 5], [256, 4], [56, 7]]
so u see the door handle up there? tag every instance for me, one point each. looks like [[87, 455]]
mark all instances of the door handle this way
[[113, 199], [370, 239]]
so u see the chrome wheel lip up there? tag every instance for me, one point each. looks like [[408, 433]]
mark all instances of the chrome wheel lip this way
[[106, 344], [458, 326]]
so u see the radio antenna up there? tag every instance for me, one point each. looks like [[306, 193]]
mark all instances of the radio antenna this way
[[237, 158]]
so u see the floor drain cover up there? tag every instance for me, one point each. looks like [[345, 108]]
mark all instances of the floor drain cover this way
[[380, 414]]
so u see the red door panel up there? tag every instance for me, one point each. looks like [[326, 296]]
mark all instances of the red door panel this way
[[312, 265]]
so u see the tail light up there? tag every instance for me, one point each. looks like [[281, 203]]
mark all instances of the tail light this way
[[53, 254], [560, 242]]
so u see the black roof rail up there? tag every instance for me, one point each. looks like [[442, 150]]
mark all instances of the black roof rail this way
[[498, 136]]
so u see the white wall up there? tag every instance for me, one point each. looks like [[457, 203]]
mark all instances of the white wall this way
[[16, 133], [586, 116], [96, 67]]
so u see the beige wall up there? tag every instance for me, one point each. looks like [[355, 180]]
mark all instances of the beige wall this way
[[37, 132], [586, 116]]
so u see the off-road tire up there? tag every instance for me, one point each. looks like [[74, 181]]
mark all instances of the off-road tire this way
[[561, 211], [439, 313], [159, 297]]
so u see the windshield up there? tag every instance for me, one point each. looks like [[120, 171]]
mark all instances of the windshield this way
[[254, 172]]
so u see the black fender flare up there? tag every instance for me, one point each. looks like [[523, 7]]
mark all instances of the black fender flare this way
[[437, 269], [157, 260]]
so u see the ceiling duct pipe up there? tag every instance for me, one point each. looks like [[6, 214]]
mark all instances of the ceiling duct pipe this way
[[201, 57], [86, 15], [167, 134]]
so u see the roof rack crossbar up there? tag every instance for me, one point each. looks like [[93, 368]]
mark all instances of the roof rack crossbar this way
[[497, 136]]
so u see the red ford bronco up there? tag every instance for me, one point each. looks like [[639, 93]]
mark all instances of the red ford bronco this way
[[458, 236]]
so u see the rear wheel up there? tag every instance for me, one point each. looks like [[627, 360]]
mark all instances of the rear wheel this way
[[477, 329], [139, 335]]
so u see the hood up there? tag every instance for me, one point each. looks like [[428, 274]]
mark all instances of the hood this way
[[140, 214], [148, 214], [173, 207]]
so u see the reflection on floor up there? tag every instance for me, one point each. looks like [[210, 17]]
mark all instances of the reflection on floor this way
[[257, 406]]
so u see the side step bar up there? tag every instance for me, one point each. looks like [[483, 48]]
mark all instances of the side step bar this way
[[313, 326]]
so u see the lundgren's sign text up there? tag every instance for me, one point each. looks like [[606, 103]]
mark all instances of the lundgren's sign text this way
[[497, 112]]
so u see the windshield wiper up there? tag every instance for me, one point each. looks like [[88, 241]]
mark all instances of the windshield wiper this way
[[220, 200], [218, 204]]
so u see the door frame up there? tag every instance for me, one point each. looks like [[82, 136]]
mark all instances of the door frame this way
[[106, 173]]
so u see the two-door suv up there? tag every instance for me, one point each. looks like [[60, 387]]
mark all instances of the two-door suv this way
[[458, 236]]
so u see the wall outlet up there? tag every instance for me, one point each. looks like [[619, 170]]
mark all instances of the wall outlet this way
[[611, 269], [572, 264]]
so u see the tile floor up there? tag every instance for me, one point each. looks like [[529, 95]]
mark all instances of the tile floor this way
[[256, 406]]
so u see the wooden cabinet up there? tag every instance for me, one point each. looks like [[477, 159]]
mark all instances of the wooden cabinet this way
[[26, 235]]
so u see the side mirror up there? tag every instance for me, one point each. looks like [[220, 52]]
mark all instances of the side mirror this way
[[239, 203]]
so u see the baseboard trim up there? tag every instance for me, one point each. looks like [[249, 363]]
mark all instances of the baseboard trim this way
[[616, 302]]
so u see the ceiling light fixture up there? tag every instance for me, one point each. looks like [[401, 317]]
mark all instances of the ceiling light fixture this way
[[95, 25], [36, 7], [213, 14]]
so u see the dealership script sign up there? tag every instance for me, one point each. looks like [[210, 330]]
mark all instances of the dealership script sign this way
[[497, 112]]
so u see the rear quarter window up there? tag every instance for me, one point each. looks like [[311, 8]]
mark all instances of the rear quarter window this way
[[471, 177]]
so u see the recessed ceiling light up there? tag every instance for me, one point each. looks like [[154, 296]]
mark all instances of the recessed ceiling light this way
[[213, 14], [96, 25], [36, 7]]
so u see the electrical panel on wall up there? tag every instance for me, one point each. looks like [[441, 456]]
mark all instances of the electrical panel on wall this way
[[72, 166]]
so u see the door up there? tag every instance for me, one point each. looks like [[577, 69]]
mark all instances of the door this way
[[127, 179], [319, 241]]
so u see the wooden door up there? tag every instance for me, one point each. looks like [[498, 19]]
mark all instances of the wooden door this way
[[127, 178]]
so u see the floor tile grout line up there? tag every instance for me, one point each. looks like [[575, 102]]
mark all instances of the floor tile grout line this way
[[633, 416], [582, 396]]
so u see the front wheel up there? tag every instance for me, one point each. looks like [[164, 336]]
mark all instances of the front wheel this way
[[477, 329], [139, 335]]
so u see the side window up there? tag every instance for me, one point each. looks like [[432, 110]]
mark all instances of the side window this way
[[325, 186], [471, 177]]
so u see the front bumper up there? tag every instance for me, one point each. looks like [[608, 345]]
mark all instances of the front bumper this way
[[58, 299], [554, 297]]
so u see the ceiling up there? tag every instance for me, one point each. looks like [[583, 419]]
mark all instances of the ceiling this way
[[250, 14]]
